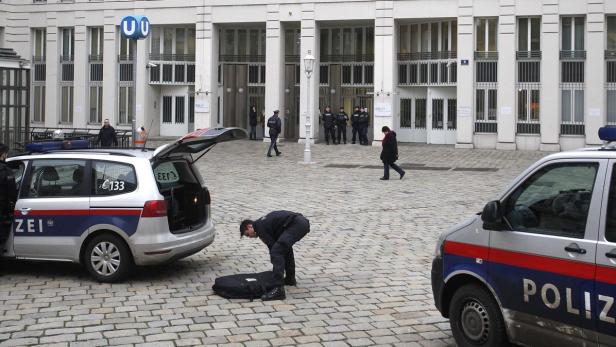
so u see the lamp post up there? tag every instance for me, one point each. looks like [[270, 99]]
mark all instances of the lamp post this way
[[308, 67]]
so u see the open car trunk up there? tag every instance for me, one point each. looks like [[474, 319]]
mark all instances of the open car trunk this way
[[187, 201]]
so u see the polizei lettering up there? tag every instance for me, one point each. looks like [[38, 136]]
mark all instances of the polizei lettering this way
[[28, 225], [554, 298]]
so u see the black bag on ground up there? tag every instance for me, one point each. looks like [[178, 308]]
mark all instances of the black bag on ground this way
[[244, 286]]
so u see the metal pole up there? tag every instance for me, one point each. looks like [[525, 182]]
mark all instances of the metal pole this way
[[134, 94], [307, 154]]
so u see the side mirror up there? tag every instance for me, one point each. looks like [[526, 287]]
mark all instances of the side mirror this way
[[492, 216]]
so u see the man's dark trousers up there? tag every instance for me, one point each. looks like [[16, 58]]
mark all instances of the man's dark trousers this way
[[281, 253], [273, 144]]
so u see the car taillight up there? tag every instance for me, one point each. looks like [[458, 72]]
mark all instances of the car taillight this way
[[208, 200], [154, 208]]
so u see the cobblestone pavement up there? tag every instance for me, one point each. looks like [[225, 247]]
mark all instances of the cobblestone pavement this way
[[363, 270]]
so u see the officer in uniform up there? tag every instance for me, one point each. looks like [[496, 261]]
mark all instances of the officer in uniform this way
[[355, 123], [341, 122], [275, 126], [8, 194], [279, 230], [329, 122], [364, 121]]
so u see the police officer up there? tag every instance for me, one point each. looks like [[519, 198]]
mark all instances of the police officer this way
[[364, 121], [341, 123], [329, 123], [279, 230], [107, 135], [8, 194], [355, 123], [275, 126]]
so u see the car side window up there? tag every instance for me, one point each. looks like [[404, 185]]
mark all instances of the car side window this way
[[610, 217], [113, 178], [554, 200], [18, 168], [55, 178]]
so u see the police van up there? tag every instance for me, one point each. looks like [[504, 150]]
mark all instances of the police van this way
[[111, 209], [538, 266]]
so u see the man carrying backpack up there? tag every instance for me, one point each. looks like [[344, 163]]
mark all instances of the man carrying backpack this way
[[274, 125], [279, 230]]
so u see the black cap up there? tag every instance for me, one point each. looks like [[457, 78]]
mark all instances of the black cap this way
[[276, 112], [3, 148]]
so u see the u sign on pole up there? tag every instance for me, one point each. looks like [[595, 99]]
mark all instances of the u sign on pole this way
[[135, 28]]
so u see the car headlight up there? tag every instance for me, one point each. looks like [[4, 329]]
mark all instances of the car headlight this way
[[438, 252]]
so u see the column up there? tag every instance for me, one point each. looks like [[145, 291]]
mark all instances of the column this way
[[274, 66], [506, 76], [466, 81], [52, 65], [595, 115], [309, 43], [384, 66], [142, 82], [550, 77], [81, 107], [110, 67], [206, 70]]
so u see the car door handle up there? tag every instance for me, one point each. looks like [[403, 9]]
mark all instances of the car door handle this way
[[25, 210], [574, 248], [611, 254]]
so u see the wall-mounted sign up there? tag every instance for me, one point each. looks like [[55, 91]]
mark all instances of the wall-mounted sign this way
[[382, 109], [463, 61], [202, 106], [135, 27]]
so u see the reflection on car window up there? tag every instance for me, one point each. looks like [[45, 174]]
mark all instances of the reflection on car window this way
[[610, 222], [173, 174], [554, 200], [56, 178], [18, 172], [113, 178]]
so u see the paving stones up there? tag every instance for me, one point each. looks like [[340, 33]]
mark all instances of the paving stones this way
[[363, 271]]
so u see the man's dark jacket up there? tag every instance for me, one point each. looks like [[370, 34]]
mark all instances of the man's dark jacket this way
[[8, 192], [270, 227], [389, 154], [107, 136]]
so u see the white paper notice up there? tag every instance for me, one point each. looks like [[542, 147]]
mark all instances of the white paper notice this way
[[464, 111], [138, 107], [506, 110], [382, 109], [202, 106], [594, 112]]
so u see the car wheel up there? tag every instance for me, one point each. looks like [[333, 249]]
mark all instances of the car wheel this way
[[107, 258], [475, 318]]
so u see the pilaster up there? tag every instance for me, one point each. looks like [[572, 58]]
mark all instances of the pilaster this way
[[595, 115], [110, 67], [384, 67], [80, 78], [466, 81], [309, 44], [550, 77], [506, 76], [51, 79], [274, 65]]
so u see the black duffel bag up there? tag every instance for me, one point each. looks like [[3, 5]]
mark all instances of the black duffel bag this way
[[244, 286]]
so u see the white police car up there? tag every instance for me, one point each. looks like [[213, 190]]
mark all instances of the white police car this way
[[110, 209], [537, 266]]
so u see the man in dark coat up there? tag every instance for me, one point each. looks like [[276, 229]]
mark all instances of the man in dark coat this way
[[107, 135], [275, 127], [389, 154], [355, 123], [329, 123], [279, 230], [252, 121], [341, 123], [8, 194], [364, 123]]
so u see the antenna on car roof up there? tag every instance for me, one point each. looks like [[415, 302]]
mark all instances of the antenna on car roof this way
[[147, 135]]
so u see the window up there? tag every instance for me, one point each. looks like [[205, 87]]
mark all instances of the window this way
[[179, 109], [610, 217], [68, 44], [420, 113], [113, 178], [126, 105], [66, 110], [40, 43], [485, 35], [39, 103], [96, 43], [127, 47], [167, 109], [96, 104], [529, 34], [437, 113], [611, 33], [572, 34], [553, 201], [56, 178]]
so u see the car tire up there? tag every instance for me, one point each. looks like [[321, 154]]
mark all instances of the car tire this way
[[476, 319], [108, 258]]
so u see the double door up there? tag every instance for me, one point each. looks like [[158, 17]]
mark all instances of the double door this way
[[177, 112], [429, 115]]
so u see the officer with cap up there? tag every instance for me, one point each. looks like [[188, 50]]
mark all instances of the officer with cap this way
[[8, 194], [329, 123], [275, 126], [279, 230], [341, 123], [355, 123]]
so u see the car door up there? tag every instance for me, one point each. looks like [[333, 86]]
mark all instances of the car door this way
[[543, 267], [19, 169], [52, 211], [605, 280]]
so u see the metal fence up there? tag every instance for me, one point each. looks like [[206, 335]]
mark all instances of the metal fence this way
[[21, 137]]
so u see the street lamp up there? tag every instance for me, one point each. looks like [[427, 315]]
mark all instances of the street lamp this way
[[308, 67]]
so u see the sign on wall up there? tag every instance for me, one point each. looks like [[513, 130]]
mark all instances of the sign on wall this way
[[382, 109], [135, 27]]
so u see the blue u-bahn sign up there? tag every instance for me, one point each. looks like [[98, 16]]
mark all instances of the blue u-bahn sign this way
[[135, 27]]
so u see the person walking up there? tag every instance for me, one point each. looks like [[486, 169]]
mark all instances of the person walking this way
[[341, 123], [364, 123], [329, 123], [8, 194], [279, 231], [389, 153], [275, 127], [355, 124], [107, 135], [252, 121]]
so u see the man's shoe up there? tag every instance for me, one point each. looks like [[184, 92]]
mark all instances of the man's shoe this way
[[353, 142], [290, 282], [383, 179], [402, 174], [269, 155], [279, 153], [277, 293]]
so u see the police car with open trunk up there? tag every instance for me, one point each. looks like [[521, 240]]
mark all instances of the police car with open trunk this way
[[538, 265], [110, 209]]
